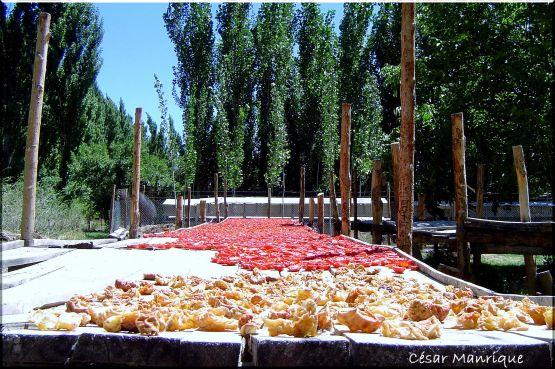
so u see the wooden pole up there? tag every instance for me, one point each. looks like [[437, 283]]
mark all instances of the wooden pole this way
[[217, 205], [179, 212], [269, 201], [225, 198], [395, 153], [321, 212], [460, 205], [480, 191], [311, 211], [355, 199], [301, 197], [33, 131], [188, 207], [523, 200], [336, 227], [406, 157], [202, 211], [377, 207], [345, 169], [112, 209], [136, 187]]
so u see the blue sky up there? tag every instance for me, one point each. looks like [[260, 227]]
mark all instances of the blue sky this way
[[135, 47]]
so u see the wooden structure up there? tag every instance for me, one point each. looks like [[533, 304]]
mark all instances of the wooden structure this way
[[202, 211], [33, 130], [188, 222], [136, 186], [377, 207], [301, 197], [321, 212], [216, 205], [179, 212], [311, 211], [336, 223], [345, 168]]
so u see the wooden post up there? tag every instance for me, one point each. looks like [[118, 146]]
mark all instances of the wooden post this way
[[523, 200], [460, 206], [336, 223], [188, 207], [301, 197], [406, 157], [179, 212], [321, 212], [480, 191], [345, 169], [202, 211], [421, 206], [377, 207], [311, 211], [112, 209], [395, 153], [225, 198], [33, 131], [269, 201], [136, 187], [355, 199], [217, 210]]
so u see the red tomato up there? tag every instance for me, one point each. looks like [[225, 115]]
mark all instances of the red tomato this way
[[398, 269]]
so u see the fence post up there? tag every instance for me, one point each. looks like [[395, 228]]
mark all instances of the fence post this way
[[355, 199], [188, 206], [225, 198], [395, 153], [336, 226], [135, 213], [179, 212], [377, 207], [460, 205], [269, 201], [421, 207], [244, 210], [345, 169], [33, 130], [301, 197], [406, 157], [311, 211], [112, 209], [217, 210], [202, 211], [480, 191], [321, 212], [523, 200]]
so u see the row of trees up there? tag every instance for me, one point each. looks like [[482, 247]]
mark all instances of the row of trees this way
[[261, 95]]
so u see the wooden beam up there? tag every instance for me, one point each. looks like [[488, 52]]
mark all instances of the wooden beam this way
[[355, 199], [202, 211], [136, 186], [336, 223], [33, 130], [301, 196], [311, 211], [179, 212], [523, 200], [112, 203], [217, 205], [421, 213], [460, 206], [225, 199], [345, 169], [188, 224], [406, 158], [395, 153], [269, 202], [377, 207], [321, 212], [480, 191]]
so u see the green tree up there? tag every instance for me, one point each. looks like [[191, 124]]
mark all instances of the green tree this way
[[189, 27], [273, 40]]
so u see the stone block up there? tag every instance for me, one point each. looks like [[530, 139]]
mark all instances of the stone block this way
[[290, 351], [454, 348]]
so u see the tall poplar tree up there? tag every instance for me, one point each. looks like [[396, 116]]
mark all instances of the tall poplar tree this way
[[273, 39]]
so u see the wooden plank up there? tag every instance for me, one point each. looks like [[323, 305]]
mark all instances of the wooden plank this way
[[484, 248], [20, 276], [321, 212], [478, 225], [345, 168], [135, 214], [33, 130], [377, 207], [460, 205], [522, 180], [202, 211], [336, 223], [29, 255], [311, 211]]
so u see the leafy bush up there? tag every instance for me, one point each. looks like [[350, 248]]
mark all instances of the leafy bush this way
[[53, 218]]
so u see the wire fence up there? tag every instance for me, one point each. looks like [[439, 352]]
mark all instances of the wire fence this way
[[162, 210]]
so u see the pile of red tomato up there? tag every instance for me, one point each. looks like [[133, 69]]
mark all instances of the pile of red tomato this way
[[279, 244]]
